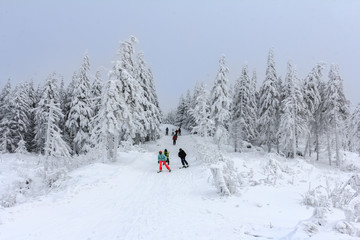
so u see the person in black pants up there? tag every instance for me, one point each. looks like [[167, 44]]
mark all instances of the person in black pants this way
[[182, 156]]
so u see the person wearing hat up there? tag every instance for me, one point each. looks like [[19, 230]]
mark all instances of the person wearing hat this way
[[182, 156], [162, 160]]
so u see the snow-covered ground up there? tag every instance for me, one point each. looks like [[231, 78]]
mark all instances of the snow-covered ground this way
[[128, 199]]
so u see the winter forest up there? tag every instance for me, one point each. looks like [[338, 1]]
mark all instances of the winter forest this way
[[306, 118], [89, 114]]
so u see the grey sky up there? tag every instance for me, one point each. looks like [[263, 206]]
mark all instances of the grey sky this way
[[182, 41]]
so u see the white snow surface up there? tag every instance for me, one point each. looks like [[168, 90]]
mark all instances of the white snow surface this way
[[128, 199]]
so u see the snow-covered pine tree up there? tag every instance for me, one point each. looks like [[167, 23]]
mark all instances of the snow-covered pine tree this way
[[113, 119], [201, 113], [170, 117], [220, 102], [188, 122], [6, 132], [20, 112], [69, 92], [150, 104], [80, 114], [312, 98], [30, 134], [243, 110], [293, 122], [49, 92], [269, 104], [55, 148], [181, 112], [96, 93], [336, 111]]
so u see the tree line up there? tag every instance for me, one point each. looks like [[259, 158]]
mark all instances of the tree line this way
[[296, 116], [60, 121]]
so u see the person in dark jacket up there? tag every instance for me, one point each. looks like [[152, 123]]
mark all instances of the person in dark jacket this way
[[167, 131], [182, 156]]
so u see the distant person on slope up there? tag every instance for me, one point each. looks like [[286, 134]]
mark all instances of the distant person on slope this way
[[166, 153], [180, 131], [162, 160], [167, 131], [174, 139], [182, 156]]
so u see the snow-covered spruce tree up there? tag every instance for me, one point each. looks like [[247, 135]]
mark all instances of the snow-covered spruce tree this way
[[130, 91], [312, 98], [336, 111], [150, 104], [269, 104], [293, 123], [20, 112], [201, 113], [354, 130], [30, 134], [170, 117], [66, 106], [6, 133], [50, 92], [220, 102], [113, 120], [95, 93], [55, 148], [79, 118], [125, 71], [188, 122], [243, 127], [181, 112]]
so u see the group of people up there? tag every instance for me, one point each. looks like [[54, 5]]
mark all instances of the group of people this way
[[163, 159], [174, 134]]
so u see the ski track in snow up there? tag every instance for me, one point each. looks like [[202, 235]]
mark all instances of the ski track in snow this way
[[133, 201]]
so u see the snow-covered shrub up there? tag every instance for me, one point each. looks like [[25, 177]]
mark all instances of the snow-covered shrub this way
[[350, 161], [352, 210], [225, 178], [273, 170], [8, 200], [346, 228], [219, 180], [317, 197], [53, 178], [342, 195]]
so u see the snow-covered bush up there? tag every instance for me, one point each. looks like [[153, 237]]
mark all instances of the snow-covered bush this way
[[346, 228], [317, 197], [225, 178], [274, 170]]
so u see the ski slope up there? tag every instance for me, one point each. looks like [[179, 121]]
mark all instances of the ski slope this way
[[130, 200]]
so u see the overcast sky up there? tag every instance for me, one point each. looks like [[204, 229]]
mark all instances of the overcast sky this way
[[182, 41]]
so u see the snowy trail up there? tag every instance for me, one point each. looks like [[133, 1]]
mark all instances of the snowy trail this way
[[134, 202]]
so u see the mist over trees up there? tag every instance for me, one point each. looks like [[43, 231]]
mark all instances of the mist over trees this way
[[91, 113], [293, 117]]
